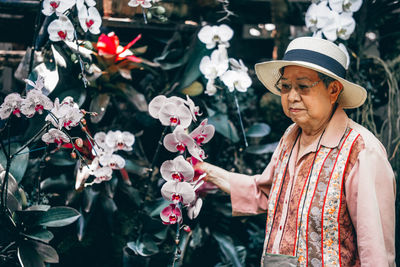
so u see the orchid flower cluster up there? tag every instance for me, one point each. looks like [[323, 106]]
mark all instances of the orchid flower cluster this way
[[105, 159], [182, 182], [233, 73], [142, 3], [62, 29], [332, 18]]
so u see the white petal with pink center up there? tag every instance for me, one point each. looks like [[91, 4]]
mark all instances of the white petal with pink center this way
[[194, 209], [142, 3], [194, 110], [178, 140], [177, 169], [172, 115], [197, 152], [178, 192], [213, 35], [34, 102], [11, 105], [156, 104], [203, 133], [120, 140], [113, 161], [238, 80], [100, 141], [55, 136], [90, 19], [66, 114], [61, 29], [89, 3], [57, 6], [102, 174], [345, 5], [171, 214]]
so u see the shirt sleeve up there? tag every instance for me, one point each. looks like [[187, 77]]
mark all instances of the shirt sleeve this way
[[249, 194], [370, 197]]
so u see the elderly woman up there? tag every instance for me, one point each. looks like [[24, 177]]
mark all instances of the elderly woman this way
[[329, 190]]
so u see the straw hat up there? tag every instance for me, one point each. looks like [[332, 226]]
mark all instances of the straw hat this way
[[317, 54]]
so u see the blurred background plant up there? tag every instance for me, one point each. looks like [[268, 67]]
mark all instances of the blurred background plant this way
[[138, 53]]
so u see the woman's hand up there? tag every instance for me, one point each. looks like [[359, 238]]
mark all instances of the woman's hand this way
[[215, 175]]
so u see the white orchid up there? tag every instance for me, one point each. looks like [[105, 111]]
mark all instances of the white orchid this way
[[67, 114], [159, 101], [55, 136], [194, 110], [34, 102], [318, 16], [11, 105], [113, 161], [61, 29], [194, 208], [341, 26], [203, 133], [215, 65], [213, 35], [237, 65], [90, 19], [345, 5], [89, 3], [238, 80], [142, 3], [57, 6], [117, 140], [102, 174], [211, 89]]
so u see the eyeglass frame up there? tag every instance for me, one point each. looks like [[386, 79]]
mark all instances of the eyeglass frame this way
[[291, 86]]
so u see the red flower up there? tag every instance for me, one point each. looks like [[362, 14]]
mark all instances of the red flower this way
[[108, 45]]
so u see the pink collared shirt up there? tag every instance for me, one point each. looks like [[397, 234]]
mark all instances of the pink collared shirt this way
[[369, 190]]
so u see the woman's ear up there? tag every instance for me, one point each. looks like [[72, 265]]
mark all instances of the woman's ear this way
[[334, 89]]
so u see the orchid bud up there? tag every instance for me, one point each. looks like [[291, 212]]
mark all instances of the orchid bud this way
[[73, 155], [83, 111], [177, 241], [83, 121], [187, 229], [79, 142]]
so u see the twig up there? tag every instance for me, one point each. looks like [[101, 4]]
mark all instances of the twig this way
[[240, 120], [32, 139], [84, 79], [153, 162], [33, 48]]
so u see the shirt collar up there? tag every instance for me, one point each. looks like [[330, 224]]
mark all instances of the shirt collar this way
[[333, 134]]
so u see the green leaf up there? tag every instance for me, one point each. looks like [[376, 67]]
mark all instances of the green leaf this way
[[58, 216], [156, 207], [99, 105], [39, 207], [135, 167], [19, 162], [224, 126], [192, 70], [258, 130], [262, 149], [228, 249], [28, 256], [132, 194], [40, 235], [62, 158], [144, 246], [12, 184], [46, 252], [195, 89]]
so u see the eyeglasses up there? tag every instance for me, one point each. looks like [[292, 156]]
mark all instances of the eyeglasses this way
[[302, 87]]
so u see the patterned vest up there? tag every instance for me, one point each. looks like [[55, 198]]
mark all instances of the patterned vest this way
[[322, 233]]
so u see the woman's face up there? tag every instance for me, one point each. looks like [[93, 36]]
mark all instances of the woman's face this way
[[305, 99]]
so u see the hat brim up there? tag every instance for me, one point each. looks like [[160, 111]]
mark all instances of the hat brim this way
[[268, 73]]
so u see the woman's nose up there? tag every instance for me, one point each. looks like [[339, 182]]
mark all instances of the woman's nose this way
[[293, 95]]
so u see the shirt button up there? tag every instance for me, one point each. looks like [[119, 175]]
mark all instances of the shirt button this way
[[286, 202], [280, 227]]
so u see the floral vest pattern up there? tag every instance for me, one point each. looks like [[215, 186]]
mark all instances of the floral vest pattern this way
[[321, 232]]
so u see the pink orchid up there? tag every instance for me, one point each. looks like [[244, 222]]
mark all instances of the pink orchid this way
[[102, 174], [61, 29], [203, 133], [90, 19], [194, 110], [55, 136], [194, 208], [177, 169], [118, 140], [57, 6], [171, 214], [34, 102], [113, 161], [178, 140], [178, 192], [11, 105]]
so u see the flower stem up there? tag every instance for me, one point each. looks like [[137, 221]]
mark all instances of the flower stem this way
[[33, 48], [240, 120], [32, 139], [84, 79], [153, 163], [144, 16]]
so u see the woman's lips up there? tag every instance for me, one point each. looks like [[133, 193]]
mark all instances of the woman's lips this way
[[295, 110]]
